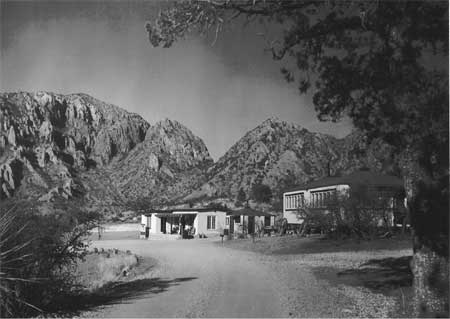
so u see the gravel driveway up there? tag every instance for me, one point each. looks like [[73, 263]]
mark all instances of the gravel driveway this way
[[200, 278]]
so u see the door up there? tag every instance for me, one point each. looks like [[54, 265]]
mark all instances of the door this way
[[251, 224], [163, 224]]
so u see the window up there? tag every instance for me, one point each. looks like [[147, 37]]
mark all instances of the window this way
[[211, 222], [237, 219], [294, 201], [227, 220], [323, 199]]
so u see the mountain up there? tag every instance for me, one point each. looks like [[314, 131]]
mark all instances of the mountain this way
[[280, 155], [46, 138], [167, 165], [73, 147], [76, 147]]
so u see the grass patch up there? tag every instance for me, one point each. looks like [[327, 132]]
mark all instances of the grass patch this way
[[291, 245], [98, 269], [101, 277]]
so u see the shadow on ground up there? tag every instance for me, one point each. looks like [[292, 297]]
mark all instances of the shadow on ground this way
[[389, 276], [114, 293], [378, 275], [382, 274]]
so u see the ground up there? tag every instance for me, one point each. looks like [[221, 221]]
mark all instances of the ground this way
[[273, 277]]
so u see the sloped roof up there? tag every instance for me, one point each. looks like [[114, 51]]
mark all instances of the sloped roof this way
[[356, 178], [179, 211], [247, 211]]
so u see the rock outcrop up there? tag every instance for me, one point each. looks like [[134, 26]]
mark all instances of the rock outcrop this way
[[63, 147], [167, 165], [47, 139]]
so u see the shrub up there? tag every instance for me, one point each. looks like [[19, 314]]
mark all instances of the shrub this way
[[241, 197], [355, 214], [34, 250], [261, 193]]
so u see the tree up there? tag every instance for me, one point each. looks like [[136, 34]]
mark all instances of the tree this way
[[368, 61], [261, 193], [241, 197], [359, 213]]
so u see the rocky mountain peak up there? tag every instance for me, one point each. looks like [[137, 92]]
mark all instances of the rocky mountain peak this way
[[54, 135], [178, 144]]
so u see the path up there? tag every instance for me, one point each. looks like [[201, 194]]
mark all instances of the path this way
[[199, 278]]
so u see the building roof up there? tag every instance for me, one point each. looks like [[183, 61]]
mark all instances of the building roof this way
[[177, 211], [356, 178], [247, 211]]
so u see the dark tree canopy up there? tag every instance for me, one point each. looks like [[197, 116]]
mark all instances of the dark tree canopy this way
[[261, 193], [364, 54], [241, 196]]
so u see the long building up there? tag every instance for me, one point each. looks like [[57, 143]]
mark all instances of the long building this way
[[317, 194]]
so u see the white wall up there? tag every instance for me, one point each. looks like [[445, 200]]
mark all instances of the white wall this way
[[200, 223], [155, 225], [291, 215]]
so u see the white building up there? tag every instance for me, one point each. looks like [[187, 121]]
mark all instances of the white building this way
[[316, 194], [249, 221], [191, 222]]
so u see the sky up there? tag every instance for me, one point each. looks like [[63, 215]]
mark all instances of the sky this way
[[218, 91]]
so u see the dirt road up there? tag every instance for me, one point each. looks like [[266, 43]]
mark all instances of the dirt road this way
[[196, 278]]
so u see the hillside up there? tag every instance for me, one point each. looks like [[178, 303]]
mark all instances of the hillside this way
[[75, 147], [280, 155]]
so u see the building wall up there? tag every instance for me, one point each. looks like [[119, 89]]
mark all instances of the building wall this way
[[200, 223], [291, 214], [243, 221], [155, 227]]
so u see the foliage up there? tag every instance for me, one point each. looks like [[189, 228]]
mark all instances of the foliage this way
[[359, 213], [241, 197], [261, 193], [34, 249], [218, 206], [259, 227]]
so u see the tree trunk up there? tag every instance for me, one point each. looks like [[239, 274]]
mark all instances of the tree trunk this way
[[430, 283], [428, 214]]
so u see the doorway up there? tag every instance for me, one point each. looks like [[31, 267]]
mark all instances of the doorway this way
[[163, 224], [251, 224]]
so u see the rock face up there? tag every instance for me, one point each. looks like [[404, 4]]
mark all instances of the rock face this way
[[166, 166], [47, 138], [281, 155], [55, 146]]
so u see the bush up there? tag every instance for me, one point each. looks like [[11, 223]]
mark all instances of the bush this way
[[34, 250], [356, 214], [261, 193], [241, 197], [98, 270]]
